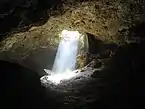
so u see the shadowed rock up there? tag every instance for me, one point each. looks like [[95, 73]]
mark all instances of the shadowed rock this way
[[21, 88]]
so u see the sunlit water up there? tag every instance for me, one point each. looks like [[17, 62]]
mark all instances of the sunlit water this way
[[66, 56], [65, 61]]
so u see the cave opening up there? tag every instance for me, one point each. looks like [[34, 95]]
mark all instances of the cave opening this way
[[72, 45]]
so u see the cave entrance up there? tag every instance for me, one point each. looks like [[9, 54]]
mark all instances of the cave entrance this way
[[72, 45]]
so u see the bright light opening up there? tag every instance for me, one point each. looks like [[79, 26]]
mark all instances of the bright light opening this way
[[57, 78], [70, 35], [65, 61]]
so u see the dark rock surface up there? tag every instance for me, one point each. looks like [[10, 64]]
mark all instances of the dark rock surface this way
[[119, 85], [20, 15], [21, 89]]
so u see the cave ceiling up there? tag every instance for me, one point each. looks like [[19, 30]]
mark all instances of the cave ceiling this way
[[107, 20]]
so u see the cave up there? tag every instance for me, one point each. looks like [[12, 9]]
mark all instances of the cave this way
[[72, 54]]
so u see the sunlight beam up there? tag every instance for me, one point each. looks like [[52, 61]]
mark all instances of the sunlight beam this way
[[66, 56]]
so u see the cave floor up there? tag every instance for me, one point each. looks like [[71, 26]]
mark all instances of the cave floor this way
[[77, 91]]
